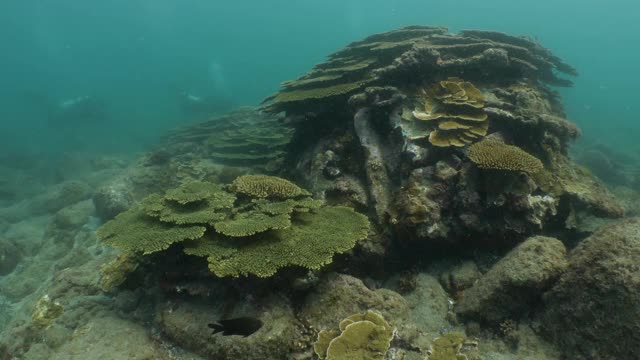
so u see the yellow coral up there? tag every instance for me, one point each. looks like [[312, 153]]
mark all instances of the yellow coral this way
[[447, 347], [493, 154], [364, 336], [454, 107]]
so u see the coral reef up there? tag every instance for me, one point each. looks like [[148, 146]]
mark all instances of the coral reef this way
[[257, 226], [418, 111], [515, 282], [388, 57], [593, 310], [491, 154], [361, 336], [244, 137], [260, 186]]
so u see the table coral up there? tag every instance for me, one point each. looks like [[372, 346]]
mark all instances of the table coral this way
[[271, 225], [311, 242]]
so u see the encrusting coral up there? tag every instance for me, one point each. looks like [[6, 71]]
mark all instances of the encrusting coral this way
[[494, 154], [257, 225], [365, 336]]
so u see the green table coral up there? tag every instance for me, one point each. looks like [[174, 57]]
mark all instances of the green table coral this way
[[311, 242], [271, 224], [263, 186], [134, 231]]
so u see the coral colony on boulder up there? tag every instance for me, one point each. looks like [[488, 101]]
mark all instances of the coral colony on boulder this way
[[404, 142]]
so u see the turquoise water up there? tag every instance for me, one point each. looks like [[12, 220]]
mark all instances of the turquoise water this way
[[90, 168], [136, 56]]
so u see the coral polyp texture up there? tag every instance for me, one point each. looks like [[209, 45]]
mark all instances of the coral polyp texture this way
[[261, 186], [365, 336], [493, 154], [310, 241], [256, 226]]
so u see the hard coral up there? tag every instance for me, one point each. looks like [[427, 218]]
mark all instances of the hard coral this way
[[262, 186], [311, 241], [448, 347], [273, 225], [453, 107], [135, 231], [364, 336], [493, 154]]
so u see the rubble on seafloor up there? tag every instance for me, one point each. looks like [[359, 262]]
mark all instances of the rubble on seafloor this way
[[479, 228]]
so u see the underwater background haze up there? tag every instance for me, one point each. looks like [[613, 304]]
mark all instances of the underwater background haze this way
[[137, 56]]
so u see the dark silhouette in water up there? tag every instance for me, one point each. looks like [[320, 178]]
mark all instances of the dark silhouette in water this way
[[244, 326], [78, 111]]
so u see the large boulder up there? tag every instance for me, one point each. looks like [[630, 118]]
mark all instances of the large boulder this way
[[339, 296], [516, 282], [186, 324], [111, 200], [593, 311]]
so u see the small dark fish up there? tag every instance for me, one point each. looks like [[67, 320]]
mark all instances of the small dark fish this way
[[244, 326]]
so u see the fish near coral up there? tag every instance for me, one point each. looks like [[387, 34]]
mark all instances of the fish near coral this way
[[244, 326]]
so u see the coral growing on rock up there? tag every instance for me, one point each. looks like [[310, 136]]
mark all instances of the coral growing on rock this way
[[361, 336], [388, 57], [492, 154], [454, 107], [257, 226], [46, 311], [310, 242], [261, 186]]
